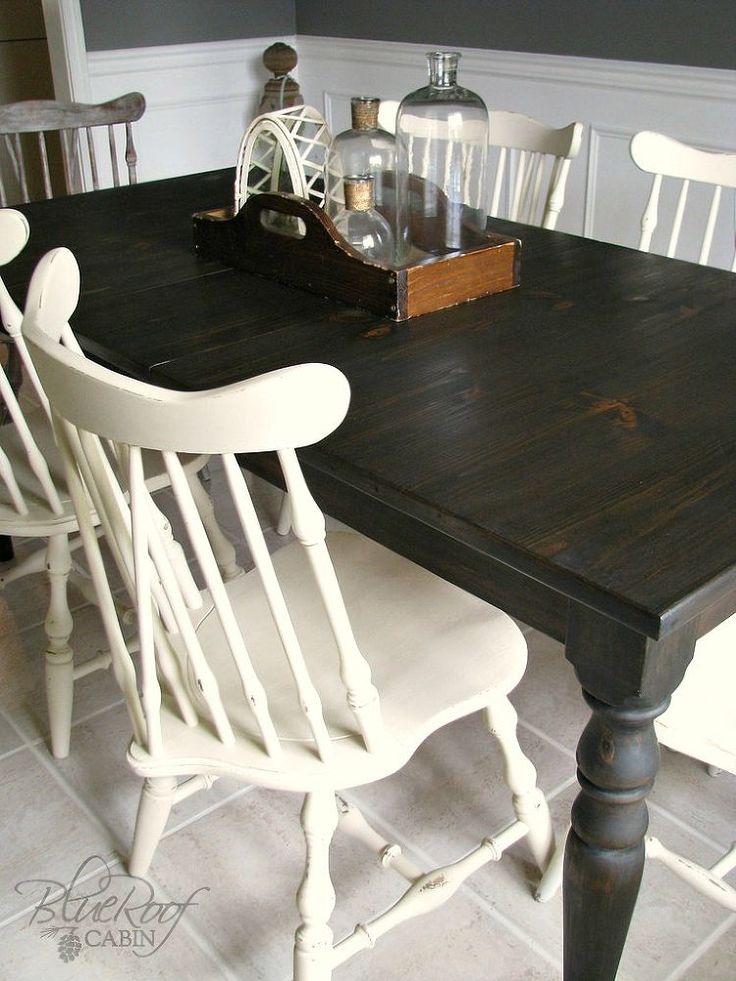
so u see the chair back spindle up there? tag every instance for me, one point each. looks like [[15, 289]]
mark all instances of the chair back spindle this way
[[532, 163], [686, 166], [529, 160], [35, 484]]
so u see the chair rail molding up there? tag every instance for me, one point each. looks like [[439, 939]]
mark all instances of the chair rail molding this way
[[199, 99]]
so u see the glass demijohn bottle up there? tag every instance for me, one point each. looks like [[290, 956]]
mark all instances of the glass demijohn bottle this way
[[442, 151], [361, 225], [364, 149]]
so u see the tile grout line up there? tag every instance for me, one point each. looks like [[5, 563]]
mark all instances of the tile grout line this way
[[703, 947], [561, 788], [199, 938], [28, 740], [83, 605], [208, 810], [541, 734], [112, 861], [16, 749], [46, 762], [687, 828]]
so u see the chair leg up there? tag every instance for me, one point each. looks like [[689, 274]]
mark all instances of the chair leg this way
[[222, 547], [157, 798], [315, 898], [6, 548], [529, 802], [59, 656], [709, 882], [283, 525], [551, 880]]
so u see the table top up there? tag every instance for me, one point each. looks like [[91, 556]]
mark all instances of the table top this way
[[579, 431]]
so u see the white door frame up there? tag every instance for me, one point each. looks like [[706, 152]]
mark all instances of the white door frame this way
[[67, 50]]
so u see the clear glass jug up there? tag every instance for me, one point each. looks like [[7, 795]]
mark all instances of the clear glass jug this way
[[442, 152]]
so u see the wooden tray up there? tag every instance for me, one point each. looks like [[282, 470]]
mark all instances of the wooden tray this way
[[320, 260]]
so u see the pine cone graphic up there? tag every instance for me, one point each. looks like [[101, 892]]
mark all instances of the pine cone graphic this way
[[69, 947]]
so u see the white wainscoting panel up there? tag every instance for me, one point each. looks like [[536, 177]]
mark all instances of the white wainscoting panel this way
[[199, 100], [201, 97], [606, 193]]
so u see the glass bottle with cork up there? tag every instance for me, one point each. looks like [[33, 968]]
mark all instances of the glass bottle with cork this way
[[363, 149], [360, 224]]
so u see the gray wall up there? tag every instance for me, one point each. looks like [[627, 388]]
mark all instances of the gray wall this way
[[678, 32], [110, 24]]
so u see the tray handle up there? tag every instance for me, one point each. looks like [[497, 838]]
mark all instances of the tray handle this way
[[319, 229]]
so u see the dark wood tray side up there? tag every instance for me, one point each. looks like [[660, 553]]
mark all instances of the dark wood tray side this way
[[322, 262]]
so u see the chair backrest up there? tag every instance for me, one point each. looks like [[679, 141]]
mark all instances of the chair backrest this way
[[531, 167], [387, 110], [530, 162], [27, 455], [665, 157], [279, 411], [75, 123]]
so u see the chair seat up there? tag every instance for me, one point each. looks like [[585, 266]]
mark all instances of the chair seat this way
[[701, 719], [436, 653], [41, 519]]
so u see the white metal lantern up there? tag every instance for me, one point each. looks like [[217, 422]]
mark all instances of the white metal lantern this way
[[283, 151]]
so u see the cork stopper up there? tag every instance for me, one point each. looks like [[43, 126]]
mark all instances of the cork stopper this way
[[364, 111], [358, 192]]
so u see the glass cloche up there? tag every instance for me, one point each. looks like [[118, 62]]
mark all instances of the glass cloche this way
[[442, 151]]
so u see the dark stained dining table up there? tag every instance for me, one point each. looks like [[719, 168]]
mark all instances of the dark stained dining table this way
[[566, 450]]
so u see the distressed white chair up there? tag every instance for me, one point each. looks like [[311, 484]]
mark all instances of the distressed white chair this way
[[76, 124], [35, 503], [531, 167], [530, 162], [665, 157], [701, 722], [273, 678]]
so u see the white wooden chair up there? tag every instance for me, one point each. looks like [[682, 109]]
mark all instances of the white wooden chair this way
[[665, 157], [701, 722], [530, 162], [75, 123], [273, 678], [531, 167], [35, 503]]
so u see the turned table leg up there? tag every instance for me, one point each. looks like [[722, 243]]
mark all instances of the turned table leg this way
[[627, 678], [618, 758]]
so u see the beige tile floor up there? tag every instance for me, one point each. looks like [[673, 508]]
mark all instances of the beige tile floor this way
[[236, 851]]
